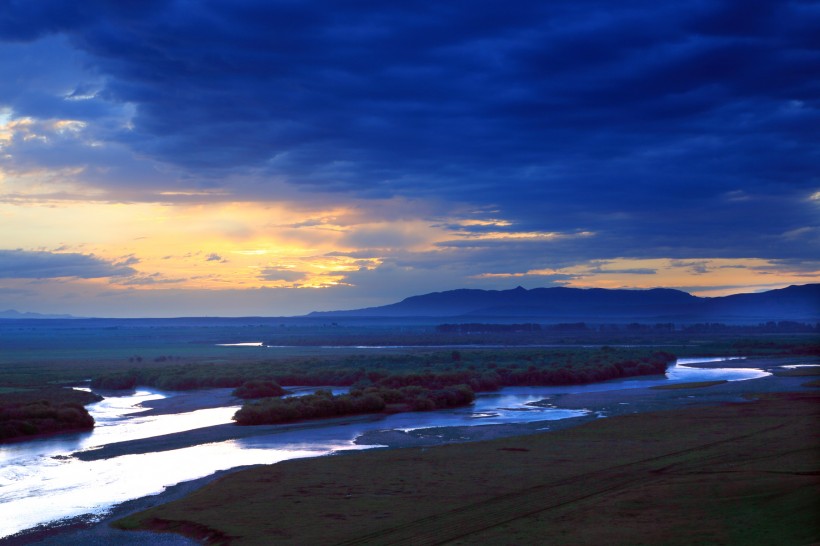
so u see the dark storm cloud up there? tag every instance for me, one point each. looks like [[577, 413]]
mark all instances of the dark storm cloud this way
[[24, 264], [640, 121]]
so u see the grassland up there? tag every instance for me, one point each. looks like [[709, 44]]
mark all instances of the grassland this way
[[185, 354], [561, 488], [34, 352], [735, 474]]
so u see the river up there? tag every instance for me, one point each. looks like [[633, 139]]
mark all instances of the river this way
[[41, 483]]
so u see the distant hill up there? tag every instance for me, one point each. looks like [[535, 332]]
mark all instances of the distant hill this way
[[560, 303], [12, 314]]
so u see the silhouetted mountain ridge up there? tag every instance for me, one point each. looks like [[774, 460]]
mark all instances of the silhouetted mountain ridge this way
[[13, 314], [791, 303]]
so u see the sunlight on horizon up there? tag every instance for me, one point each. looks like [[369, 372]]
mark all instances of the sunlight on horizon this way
[[245, 245]]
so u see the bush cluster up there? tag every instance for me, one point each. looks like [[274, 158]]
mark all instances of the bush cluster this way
[[46, 411], [323, 404], [258, 389], [484, 369]]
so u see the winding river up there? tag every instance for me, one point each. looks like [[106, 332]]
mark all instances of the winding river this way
[[40, 483]]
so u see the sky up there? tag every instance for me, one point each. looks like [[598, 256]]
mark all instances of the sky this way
[[275, 157]]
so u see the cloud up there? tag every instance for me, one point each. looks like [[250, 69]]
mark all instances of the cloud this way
[[127, 260], [280, 274], [149, 280], [600, 269], [214, 257], [699, 267], [26, 264], [386, 236], [666, 129]]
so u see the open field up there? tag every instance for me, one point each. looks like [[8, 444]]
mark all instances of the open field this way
[[92, 341], [734, 474], [71, 353], [37, 352]]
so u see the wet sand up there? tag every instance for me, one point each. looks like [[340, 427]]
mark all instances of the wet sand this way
[[190, 401], [601, 404]]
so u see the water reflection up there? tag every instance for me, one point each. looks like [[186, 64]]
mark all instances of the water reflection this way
[[509, 405], [74, 487], [145, 427], [681, 372], [35, 471], [40, 483]]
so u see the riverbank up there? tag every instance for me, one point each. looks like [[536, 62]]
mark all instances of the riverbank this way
[[208, 435], [190, 401], [612, 403], [82, 530], [743, 473], [601, 403]]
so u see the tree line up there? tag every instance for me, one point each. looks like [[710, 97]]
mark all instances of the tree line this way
[[480, 369], [770, 327]]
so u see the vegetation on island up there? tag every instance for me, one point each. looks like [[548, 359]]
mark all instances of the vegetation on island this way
[[323, 404], [376, 391], [396, 382], [258, 389], [187, 354], [27, 413]]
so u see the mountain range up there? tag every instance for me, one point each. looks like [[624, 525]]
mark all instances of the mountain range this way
[[560, 303], [12, 314]]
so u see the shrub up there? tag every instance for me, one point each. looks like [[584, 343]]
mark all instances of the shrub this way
[[23, 414], [258, 389], [323, 404]]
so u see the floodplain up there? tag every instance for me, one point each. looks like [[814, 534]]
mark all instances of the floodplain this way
[[603, 375]]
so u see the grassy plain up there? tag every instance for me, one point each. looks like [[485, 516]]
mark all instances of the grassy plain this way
[[195, 353], [38, 352], [740, 473], [734, 474]]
